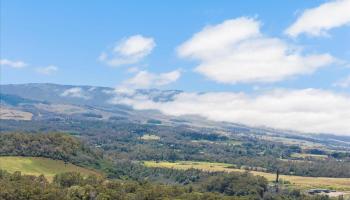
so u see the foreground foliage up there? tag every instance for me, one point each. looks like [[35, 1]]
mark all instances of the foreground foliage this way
[[73, 186]]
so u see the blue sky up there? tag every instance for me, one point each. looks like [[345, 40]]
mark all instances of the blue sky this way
[[72, 34], [282, 64]]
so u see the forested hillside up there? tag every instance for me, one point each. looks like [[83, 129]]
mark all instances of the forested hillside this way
[[54, 146], [123, 140], [126, 179], [117, 142]]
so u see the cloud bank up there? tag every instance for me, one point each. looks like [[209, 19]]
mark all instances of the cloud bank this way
[[13, 64], [75, 92], [128, 51], [317, 21], [144, 79], [236, 51], [307, 110], [47, 70], [343, 83]]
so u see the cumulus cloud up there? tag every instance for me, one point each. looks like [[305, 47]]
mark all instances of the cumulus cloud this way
[[133, 69], [128, 51], [317, 21], [236, 51], [47, 70], [145, 79], [307, 110], [343, 83], [12, 63], [75, 92]]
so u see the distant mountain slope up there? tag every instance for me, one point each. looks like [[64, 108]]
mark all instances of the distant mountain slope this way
[[46, 101], [14, 100], [81, 95]]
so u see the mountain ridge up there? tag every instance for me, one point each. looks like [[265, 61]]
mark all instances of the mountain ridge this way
[[51, 100]]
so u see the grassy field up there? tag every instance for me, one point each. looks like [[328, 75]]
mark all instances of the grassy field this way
[[37, 166], [150, 137], [340, 184], [229, 142], [305, 155], [289, 141]]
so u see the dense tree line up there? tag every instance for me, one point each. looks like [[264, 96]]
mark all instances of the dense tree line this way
[[56, 146], [73, 186]]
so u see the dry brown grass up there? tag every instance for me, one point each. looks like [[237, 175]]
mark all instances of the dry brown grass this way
[[6, 113]]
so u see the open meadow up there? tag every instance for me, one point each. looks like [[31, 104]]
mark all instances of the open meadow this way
[[339, 184], [37, 166]]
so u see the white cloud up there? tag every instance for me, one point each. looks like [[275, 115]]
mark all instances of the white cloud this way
[[129, 51], [317, 21], [91, 89], [236, 51], [75, 92], [145, 79], [133, 69], [13, 64], [307, 110], [344, 83], [216, 40], [47, 70]]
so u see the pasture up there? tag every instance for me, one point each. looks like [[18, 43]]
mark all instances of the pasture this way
[[301, 182], [37, 166]]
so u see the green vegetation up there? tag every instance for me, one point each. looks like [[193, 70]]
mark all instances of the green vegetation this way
[[150, 137], [293, 141], [73, 186], [154, 121], [342, 184], [121, 140], [121, 149], [151, 157], [41, 166], [15, 100], [93, 115], [307, 155], [55, 146], [126, 179]]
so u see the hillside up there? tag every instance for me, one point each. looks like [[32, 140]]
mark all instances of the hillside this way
[[41, 166], [69, 177], [175, 100], [55, 146], [45, 102], [115, 140]]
